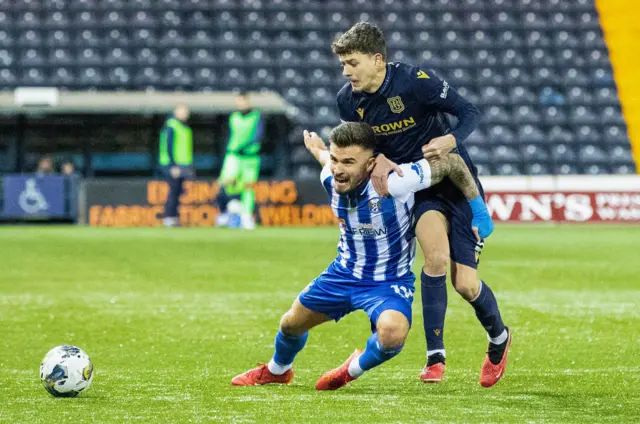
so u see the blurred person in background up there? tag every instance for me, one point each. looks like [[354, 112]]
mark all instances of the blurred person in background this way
[[45, 166], [176, 159], [68, 169], [241, 166]]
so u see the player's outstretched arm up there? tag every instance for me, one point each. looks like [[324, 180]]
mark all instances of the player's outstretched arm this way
[[316, 147], [453, 166]]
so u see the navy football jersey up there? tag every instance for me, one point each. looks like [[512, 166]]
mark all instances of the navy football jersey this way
[[408, 110]]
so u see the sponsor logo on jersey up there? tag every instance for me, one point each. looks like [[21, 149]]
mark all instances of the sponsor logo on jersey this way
[[422, 74], [360, 111], [445, 90], [418, 170], [395, 104], [370, 230], [394, 127]]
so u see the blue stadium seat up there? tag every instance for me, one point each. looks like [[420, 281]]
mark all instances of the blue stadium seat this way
[[172, 37], [32, 57], [201, 38], [565, 169], [484, 58], [620, 155], [233, 77], [262, 78], [62, 77], [521, 95], [30, 38], [6, 40], [202, 57], [114, 18], [508, 39], [534, 153], [507, 169], [117, 37], [29, 19], [530, 134], [558, 134], [588, 134], [205, 77], [537, 168], [147, 77], [479, 155], [615, 134], [501, 134], [90, 77], [579, 96], [497, 115], [542, 57], [611, 115], [118, 77], [144, 36], [177, 76], [563, 153], [582, 115]]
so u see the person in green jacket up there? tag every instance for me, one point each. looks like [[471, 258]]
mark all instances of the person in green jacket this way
[[241, 166], [175, 157]]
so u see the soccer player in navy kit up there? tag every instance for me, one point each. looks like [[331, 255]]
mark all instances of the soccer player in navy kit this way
[[406, 108]]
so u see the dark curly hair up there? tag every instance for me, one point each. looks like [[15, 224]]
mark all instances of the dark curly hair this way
[[363, 37], [350, 134]]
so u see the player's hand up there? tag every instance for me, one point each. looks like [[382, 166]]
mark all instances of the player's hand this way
[[438, 147], [381, 170], [313, 142], [175, 172]]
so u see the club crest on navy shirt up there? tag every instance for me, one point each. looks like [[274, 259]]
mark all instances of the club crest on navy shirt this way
[[395, 104]]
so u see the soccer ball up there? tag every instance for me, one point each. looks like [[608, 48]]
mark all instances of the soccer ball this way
[[65, 371]]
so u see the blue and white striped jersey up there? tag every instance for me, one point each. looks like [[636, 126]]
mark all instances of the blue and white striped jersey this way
[[377, 242]]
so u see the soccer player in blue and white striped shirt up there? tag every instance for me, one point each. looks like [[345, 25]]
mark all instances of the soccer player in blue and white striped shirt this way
[[372, 270]]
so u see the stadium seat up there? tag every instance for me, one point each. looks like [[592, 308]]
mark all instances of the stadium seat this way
[[530, 134], [147, 77], [205, 77]]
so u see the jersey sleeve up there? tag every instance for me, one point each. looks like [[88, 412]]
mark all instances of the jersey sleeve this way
[[434, 92], [417, 176], [327, 179], [345, 109]]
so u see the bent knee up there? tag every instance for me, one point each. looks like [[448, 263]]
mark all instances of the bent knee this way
[[467, 288], [290, 325], [392, 332]]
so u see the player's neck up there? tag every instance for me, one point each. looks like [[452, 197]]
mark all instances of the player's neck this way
[[377, 82]]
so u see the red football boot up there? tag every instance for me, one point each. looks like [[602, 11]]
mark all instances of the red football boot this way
[[261, 375], [434, 370], [491, 373], [337, 377]]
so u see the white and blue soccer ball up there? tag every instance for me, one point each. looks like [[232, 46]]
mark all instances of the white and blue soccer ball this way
[[65, 371]]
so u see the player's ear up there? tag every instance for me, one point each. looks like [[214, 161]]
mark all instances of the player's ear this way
[[371, 163]]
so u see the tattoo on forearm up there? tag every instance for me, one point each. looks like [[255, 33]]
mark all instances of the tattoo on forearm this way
[[453, 166]]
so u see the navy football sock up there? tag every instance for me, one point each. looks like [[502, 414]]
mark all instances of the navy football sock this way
[[487, 311], [287, 347], [434, 309], [374, 354]]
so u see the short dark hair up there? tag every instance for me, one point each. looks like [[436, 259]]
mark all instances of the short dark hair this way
[[363, 37], [350, 134]]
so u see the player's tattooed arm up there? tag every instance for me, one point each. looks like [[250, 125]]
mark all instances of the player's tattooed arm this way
[[316, 147], [453, 166]]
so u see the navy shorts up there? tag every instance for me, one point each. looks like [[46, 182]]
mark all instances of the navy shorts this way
[[336, 294], [464, 247]]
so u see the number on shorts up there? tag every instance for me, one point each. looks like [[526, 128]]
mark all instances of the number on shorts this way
[[402, 291]]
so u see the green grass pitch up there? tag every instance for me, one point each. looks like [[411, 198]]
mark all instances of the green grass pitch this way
[[169, 316]]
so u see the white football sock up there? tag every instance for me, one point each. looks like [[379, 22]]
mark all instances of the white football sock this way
[[354, 367], [500, 339], [277, 369]]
